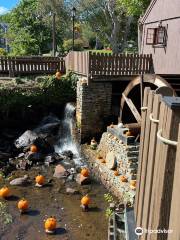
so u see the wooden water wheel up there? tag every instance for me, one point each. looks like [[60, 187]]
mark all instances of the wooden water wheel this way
[[156, 82]]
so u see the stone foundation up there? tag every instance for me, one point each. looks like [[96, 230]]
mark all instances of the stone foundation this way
[[93, 107], [127, 164]]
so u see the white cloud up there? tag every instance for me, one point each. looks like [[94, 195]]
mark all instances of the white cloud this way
[[3, 10]]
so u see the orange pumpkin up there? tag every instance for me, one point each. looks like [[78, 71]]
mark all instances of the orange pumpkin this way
[[133, 184], [50, 224], [116, 173], [33, 148], [103, 161], [23, 205], [129, 134], [85, 201], [4, 192], [123, 178], [58, 75], [85, 172], [40, 180]]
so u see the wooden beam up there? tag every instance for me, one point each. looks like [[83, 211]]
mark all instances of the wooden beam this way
[[132, 108]]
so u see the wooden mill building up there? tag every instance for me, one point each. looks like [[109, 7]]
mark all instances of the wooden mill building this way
[[159, 35]]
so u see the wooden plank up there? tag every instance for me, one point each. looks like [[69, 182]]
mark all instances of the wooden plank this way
[[150, 164], [175, 208], [143, 127], [162, 192], [132, 108], [144, 160]]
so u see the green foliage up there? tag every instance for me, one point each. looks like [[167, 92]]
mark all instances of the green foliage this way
[[3, 52], [109, 212], [78, 45], [108, 198], [47, 93], [135, 7]]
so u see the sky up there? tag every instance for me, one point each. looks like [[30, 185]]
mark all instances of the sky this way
[[6, 5]]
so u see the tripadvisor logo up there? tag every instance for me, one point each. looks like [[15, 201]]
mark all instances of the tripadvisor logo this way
[[139, 231]]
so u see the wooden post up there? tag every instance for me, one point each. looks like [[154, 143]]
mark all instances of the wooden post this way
[[175, 203], [164, 168]]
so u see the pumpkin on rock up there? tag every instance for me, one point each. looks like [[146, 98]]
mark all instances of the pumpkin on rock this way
[[50, 225], [116, 173], [123, 178], [4, 192], [23, 205], [33, 148], [85, 172], [40, 180]]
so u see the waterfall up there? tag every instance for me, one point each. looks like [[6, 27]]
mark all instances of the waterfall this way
[[66, 141]]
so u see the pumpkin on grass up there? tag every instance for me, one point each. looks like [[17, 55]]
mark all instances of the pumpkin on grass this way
[[34, 148], [58, 75], [4, 192], [123, 178], [85, 201], [50, 225], [40, 180], [23, 205], [85, 172]]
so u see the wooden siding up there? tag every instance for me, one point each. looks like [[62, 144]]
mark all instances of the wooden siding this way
[[156, 204], [166, 59]]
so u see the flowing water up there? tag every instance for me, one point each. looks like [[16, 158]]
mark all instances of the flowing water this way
[[66, 141], [52, 200]]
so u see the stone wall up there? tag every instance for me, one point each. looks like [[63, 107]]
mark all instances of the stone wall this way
[[127, 164], [93, 107]]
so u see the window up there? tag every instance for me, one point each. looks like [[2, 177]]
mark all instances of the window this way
[[156, 36]]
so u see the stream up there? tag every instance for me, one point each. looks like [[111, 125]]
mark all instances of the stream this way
[[53, 199]]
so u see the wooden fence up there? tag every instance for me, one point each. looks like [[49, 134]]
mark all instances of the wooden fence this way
[[157, 204], [103, 65], [17, 66]]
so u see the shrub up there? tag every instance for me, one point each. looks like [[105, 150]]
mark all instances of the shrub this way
[[78, 44], [3, 52]]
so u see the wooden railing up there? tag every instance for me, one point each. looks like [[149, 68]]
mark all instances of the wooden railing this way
[[102, 65], [157, 195], [17, 66]]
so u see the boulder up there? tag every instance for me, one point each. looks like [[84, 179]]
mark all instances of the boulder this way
[[23, 164], [68, 154], [60, 172], [34, 156], [81, 180], [20, 181], [111, 160], [26, 139]]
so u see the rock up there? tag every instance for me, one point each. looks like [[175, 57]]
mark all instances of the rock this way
[[111, 160], [81, 180], [34, 156], [60, 172], [20, 181], [49, 159], [23, 164], [70, 190], [26, 139], [68, 154]]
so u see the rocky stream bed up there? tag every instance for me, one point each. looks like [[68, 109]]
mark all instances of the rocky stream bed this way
[[59, 160]]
